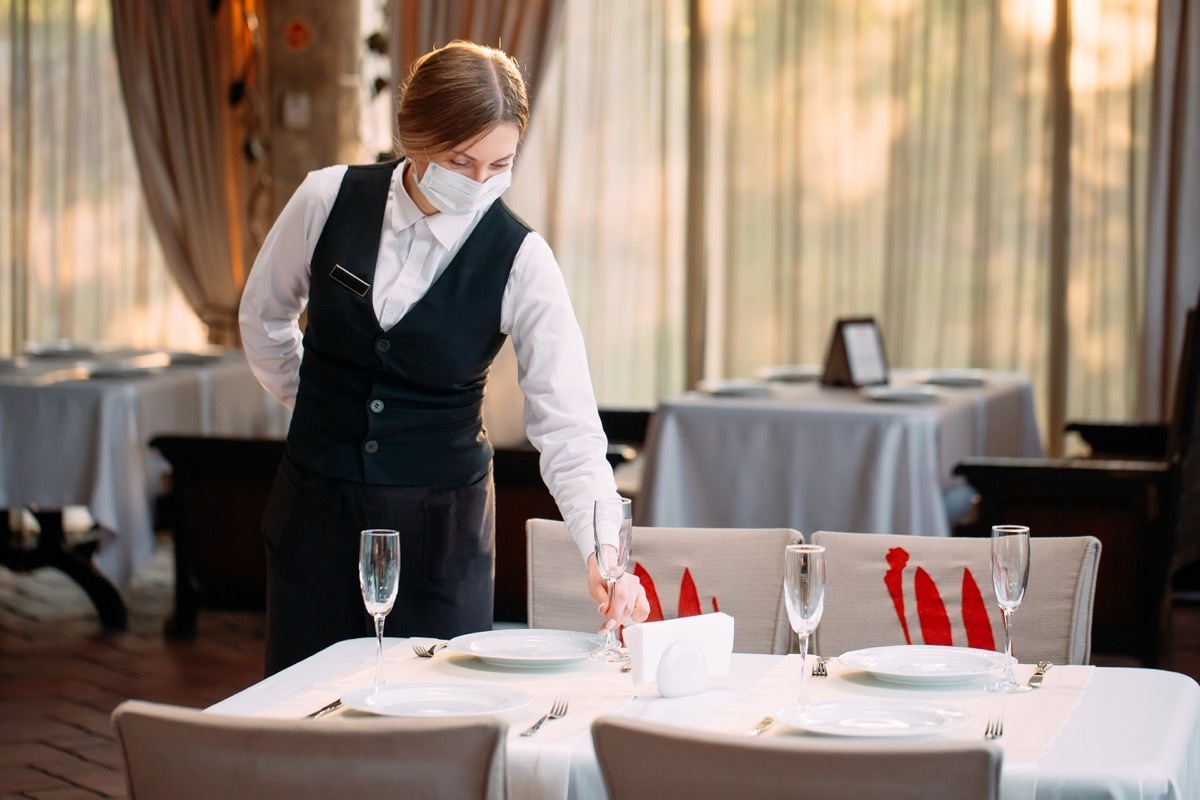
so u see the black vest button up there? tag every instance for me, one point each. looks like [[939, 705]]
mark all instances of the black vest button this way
[[383, 345], [371, 446], [377, 406]]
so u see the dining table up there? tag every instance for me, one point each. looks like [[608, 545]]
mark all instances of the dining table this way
[[1086, 732], [76, 420], [786, 450]]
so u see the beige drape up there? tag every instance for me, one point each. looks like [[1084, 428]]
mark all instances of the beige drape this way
[[177, 64], [1173, 246], [525, 30]]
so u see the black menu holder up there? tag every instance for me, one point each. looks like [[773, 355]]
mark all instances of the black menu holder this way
[[856, 356]]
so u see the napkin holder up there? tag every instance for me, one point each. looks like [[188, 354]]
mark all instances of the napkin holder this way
[[648, 641]]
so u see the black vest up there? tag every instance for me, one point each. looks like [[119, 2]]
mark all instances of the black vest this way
[[402, 407]]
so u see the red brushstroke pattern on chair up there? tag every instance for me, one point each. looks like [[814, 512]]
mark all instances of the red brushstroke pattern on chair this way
[[975, 615], [935, 622], [689, 597], [931, 610], [897, 557]]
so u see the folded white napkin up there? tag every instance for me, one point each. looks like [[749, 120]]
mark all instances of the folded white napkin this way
[[647, 641]]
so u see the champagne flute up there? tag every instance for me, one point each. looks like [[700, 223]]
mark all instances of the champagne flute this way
[[1010, 575], [379, 579], [804, 585], [612, 529]]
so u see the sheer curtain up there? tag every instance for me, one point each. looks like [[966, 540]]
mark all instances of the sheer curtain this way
[[602, 175], [893, 158], [78, 255]]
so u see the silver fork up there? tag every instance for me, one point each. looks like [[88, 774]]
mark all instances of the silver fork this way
[[427, 652], [557, 711], [995, 727], [819, 669]]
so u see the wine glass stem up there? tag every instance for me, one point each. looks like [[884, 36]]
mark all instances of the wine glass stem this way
[[610, 635], [803, 669], [379, 619], [1008, 670]]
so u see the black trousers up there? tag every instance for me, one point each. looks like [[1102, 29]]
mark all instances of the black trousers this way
[[312, 525]]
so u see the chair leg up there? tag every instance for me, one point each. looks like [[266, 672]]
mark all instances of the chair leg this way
[[52, 550]]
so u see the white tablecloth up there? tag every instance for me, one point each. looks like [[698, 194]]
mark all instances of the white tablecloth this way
[[1110, 733], [74, 440], [814, 458]]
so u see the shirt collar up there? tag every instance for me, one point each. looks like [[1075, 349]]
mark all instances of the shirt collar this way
[[446, 228]]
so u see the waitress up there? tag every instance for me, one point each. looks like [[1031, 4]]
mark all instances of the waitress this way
[[413, 273]]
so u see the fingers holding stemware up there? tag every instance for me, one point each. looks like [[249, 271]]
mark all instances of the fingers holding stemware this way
[[629, 602]]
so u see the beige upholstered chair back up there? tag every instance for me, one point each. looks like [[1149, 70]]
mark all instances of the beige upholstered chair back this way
[[883, 589], [684, 571], [174, 753], [649, 761]]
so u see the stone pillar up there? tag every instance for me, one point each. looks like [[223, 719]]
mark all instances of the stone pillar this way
[[313, 90]]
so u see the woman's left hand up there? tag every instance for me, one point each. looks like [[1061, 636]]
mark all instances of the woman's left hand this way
[[629, 602]]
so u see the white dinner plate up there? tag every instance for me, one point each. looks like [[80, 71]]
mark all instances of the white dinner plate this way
[[122, 373], [188, 357], [900, 394], [876, 718], [790, 373], [963, 378], [435, 699], [536, 647], [734, 387], [61, 348], [924, 663]]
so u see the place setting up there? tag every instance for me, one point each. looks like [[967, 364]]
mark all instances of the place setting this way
[[488, 672], [379, 575], [907, 690]]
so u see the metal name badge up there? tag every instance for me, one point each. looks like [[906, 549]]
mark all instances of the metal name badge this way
[[348, 279]]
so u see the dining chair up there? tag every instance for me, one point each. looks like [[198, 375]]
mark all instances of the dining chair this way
[[642, 760], [177, 753], [884, 589], [685, 571]]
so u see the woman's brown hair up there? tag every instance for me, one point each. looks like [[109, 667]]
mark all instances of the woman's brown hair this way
[[456, 94]]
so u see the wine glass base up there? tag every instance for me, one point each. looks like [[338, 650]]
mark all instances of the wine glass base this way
[[610, 656], [1008, 687]]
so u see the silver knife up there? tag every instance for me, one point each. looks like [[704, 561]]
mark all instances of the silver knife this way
[[1038, 674], [762, 725]]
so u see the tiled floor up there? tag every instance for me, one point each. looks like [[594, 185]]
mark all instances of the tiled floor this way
[[61, 675]]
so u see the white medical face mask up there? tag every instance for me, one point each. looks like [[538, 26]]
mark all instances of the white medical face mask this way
[[452, 193]]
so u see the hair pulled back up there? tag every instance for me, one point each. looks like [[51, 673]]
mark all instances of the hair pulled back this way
[[458, 93]]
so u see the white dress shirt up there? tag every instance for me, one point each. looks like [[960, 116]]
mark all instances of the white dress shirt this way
[[414, 249]]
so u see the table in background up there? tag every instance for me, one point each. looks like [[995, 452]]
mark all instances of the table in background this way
[[811, 457], [1127, 732], [75, 429]]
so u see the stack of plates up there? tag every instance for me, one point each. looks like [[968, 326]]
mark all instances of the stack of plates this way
[[959, 378], [790, 373], [899, 394], [734, 387]]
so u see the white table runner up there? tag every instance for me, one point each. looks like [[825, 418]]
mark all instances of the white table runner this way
[[1031, 719]]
